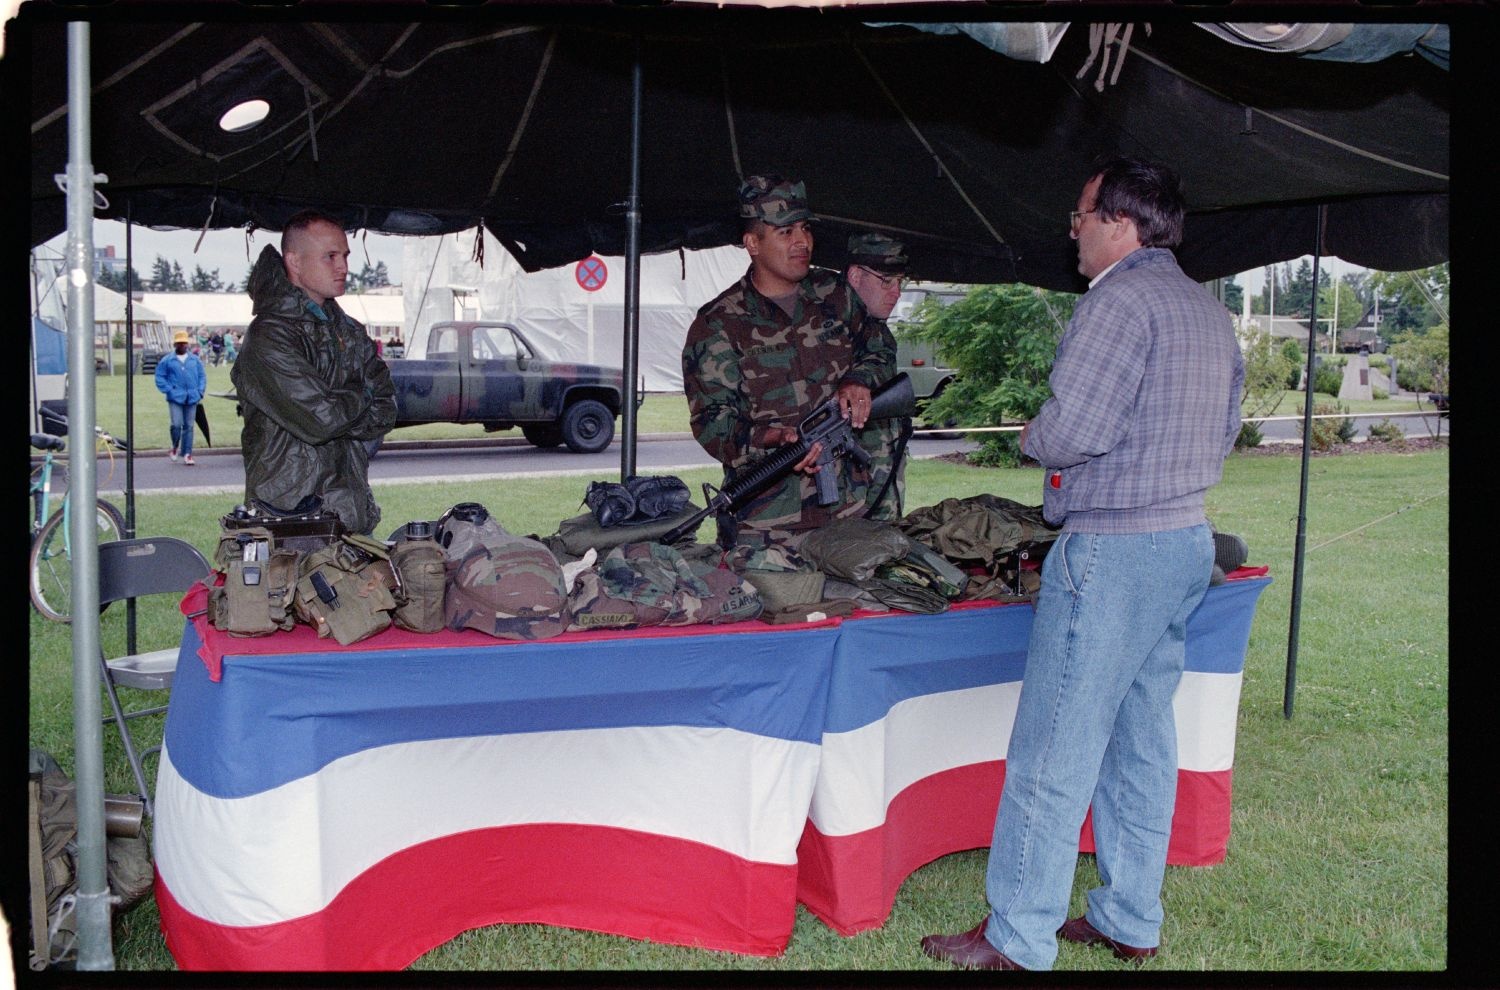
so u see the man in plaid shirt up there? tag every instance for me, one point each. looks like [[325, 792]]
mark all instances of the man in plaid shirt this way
[[1144, 409]]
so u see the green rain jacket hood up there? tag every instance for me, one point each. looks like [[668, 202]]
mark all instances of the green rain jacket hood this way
[[313, 390]]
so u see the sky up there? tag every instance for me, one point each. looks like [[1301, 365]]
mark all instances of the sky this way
[[222, 249], [226, 251]]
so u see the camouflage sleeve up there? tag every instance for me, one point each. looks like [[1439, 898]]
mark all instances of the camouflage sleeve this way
[[874, 346], [717, 409]]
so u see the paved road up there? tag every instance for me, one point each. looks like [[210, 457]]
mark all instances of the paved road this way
[[411, 462], [476, 460]]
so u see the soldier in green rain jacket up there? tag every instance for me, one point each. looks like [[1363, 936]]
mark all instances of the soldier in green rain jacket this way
[[310, 384], [771, 348]]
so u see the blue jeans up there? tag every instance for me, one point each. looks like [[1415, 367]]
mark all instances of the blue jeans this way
[[182, 425], [1094, 724]]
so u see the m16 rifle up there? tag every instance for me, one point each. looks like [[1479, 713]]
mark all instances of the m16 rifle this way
[[825, 425]]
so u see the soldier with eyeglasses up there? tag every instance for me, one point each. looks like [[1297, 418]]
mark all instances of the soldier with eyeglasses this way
[[877, 271]]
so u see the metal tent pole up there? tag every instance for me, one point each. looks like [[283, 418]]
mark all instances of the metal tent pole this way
[[1290, 689], [95, 951], [632, 275], [130, 645]]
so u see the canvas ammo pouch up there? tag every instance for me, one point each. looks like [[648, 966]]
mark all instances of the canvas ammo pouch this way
[[420, 567], [347, 590], [260, 579]]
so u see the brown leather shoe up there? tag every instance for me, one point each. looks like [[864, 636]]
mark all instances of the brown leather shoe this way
[[971, 950], [1079, 930]]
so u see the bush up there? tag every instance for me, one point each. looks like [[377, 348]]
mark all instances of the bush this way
[[1379, 393], [1293, 354], [1002, 339], [1387, 432], [1328, 380], [1329, 433], [1250, 436]]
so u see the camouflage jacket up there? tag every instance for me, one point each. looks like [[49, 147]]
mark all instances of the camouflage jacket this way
[[312, 390], [747, 367]]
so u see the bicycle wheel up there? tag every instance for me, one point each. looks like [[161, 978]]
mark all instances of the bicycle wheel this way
[[52, 565]]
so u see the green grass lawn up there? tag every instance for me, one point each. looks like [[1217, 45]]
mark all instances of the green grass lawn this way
[[1338, 859]]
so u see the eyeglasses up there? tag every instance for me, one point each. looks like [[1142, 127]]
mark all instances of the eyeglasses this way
[[886, 281], [1075, 217]]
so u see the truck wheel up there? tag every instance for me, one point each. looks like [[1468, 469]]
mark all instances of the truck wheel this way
[[372, 447], [544, 435], [587, 426]]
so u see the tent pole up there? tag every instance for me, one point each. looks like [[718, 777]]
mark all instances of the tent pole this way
[[93, 911], [1290, 689], [632, 274], [130, 646]]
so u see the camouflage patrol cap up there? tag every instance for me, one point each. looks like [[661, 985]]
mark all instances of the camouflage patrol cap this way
[[775, 200], [878, 252]]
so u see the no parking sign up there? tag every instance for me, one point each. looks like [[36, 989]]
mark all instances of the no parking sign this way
[[591, 273]]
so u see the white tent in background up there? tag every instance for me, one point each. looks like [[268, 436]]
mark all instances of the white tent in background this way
[[441, 281]]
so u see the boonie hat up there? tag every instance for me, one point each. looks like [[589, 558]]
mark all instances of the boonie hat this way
[[775, 200], [180, 337], [877, 251]]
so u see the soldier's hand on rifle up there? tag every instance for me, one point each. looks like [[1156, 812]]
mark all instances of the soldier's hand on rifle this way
[[854, 403], [780, 436]]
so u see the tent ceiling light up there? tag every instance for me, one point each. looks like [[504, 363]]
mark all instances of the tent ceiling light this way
[[243, 116]]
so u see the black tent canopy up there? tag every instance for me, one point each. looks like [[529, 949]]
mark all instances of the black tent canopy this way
[[522, 121]]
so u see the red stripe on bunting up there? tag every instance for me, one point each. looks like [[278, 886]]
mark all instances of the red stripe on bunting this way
[[593, 878], [850, 881]]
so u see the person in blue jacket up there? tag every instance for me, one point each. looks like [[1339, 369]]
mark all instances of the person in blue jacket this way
[[181, 378]]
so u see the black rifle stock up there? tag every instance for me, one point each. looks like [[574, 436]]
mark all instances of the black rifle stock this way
[[825, 425]]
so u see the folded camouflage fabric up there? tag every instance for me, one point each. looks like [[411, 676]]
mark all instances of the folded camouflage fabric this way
[[650, 584], [853, 548]]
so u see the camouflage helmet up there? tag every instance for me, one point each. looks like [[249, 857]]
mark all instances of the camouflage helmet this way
[[878, 252], [775, 200]]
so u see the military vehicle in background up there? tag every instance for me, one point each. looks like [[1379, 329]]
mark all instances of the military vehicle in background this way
[[491, 373], [919, 358]]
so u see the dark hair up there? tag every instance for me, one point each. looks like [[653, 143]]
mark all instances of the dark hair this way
[[1148, 193], [300, 221]]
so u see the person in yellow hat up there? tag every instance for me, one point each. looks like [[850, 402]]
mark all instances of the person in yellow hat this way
[[180, 376]]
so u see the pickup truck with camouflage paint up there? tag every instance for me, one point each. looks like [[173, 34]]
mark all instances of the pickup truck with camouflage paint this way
[[490, 373]]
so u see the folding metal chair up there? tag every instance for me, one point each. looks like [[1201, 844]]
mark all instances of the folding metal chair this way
[[134, 569]]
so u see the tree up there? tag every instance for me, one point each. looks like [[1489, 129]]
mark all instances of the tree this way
[[206, 281], [1234, 295], [118, 280], [161, 275], [179, 282], [1412, 301], [1422, 359], [368, 278], [1001, 339]]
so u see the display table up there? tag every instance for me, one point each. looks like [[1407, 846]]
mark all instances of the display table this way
[[327, 807], [919, 718]]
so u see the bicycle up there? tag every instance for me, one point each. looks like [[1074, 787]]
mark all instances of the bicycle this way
[[51, 559]]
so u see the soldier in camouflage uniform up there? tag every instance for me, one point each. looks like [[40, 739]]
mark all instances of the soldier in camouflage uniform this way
[[877, 270], [767, 351]]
